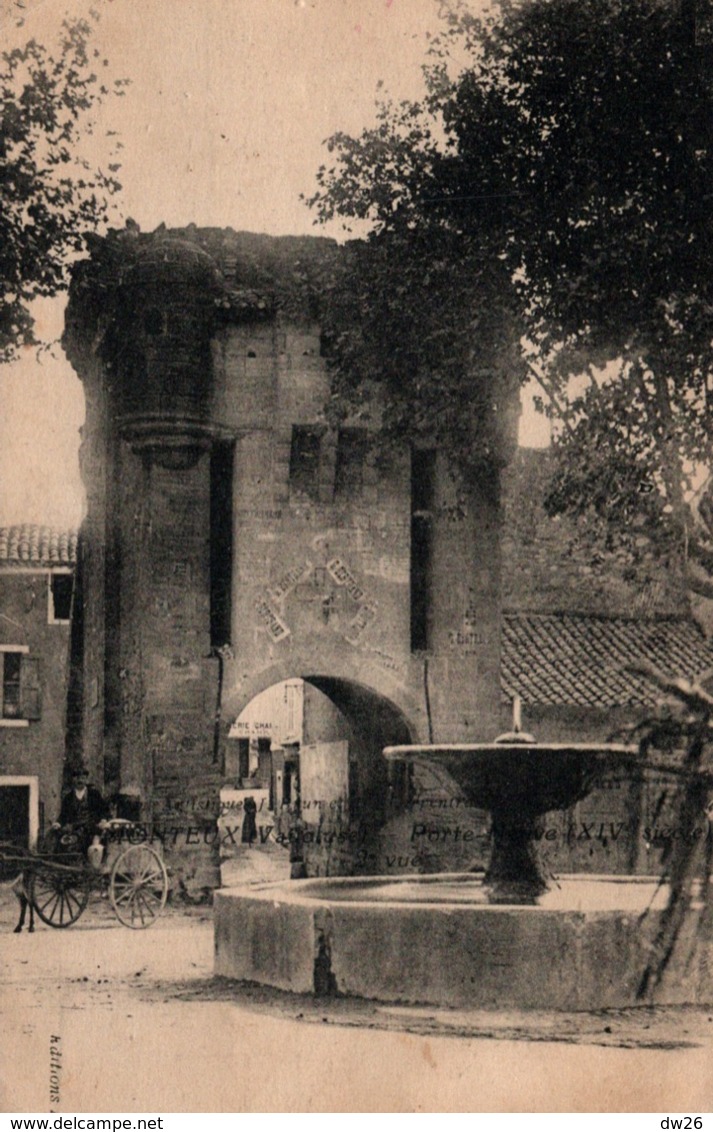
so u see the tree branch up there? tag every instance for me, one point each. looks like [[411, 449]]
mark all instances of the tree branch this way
[[548, 389], [692, 694]]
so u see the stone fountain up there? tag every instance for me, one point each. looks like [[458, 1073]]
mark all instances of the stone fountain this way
[[506, 938], [517, 780]]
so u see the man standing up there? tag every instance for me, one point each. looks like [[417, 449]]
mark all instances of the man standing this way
[[249, 832]]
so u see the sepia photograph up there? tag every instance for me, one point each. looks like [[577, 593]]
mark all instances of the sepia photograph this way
[[356, 558]]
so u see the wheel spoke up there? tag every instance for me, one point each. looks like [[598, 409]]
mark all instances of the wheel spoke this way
[[40, 890], [138, 887], [138, 904], [148, 877], [53, 898], [148, 871], [70, 896], [146, 901], [150, 897], [137, 866]]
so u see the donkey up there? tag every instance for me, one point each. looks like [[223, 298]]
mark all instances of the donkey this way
[[21, 885]]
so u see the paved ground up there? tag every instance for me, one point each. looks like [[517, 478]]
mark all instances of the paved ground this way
[[144, 1027]]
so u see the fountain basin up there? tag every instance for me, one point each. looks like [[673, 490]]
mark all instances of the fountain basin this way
[[517, 780], [583, 945]]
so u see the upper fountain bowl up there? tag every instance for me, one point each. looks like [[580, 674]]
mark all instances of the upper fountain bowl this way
[[519, 774]]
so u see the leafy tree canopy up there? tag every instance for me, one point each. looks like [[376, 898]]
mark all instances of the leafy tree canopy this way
[[49, 195], [546, 208]]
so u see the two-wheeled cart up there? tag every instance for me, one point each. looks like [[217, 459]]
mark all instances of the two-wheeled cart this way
[[59, 883]]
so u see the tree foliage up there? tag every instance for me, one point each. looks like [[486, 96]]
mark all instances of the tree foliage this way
[[435, 345], [682, 726], [554, 184], [425, 312], [49, 195]]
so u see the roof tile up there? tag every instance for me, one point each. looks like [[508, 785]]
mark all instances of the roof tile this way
[[29, 544], [558, 659]]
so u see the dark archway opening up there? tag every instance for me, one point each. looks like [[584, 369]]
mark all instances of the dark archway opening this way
[[374, 720], [309, 750]]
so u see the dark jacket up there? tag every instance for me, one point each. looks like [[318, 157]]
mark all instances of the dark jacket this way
[[87, 811], [249, 833]]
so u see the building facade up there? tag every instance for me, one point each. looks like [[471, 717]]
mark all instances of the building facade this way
[[37, 568]]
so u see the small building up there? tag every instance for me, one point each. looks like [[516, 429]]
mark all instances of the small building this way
[[37, 566]]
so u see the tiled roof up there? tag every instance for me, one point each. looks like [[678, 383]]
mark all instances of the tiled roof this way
[[28, 544], [551, 658]]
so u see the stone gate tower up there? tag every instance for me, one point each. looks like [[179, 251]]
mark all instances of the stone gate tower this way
[[234, 540]]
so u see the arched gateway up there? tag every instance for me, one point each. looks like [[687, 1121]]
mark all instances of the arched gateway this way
[[235, 539]]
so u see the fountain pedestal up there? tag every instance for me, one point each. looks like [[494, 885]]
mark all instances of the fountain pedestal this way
[[514, 875]]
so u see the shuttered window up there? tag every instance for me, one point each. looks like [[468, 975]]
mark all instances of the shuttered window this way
[[21, 691]]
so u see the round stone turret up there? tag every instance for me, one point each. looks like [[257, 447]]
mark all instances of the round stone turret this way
[[163, 366]]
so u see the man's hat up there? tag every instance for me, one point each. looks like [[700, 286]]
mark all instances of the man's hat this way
[[80, 771]]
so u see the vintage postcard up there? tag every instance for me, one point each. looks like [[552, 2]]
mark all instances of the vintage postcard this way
[[355, 550]]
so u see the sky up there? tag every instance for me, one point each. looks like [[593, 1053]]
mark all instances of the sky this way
[[223, 124]]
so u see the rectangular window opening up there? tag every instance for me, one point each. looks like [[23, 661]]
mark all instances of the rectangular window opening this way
[[243, 758], [305, 455], [221, 542], [15, 822], [20, 696], [423, 468], [11, 685]]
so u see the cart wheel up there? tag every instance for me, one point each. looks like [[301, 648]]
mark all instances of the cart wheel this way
[[138, 886], [59, 898]]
